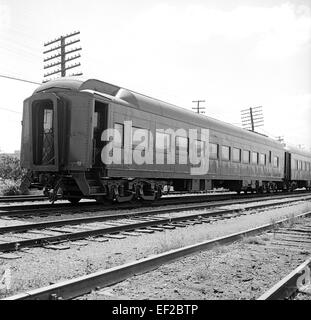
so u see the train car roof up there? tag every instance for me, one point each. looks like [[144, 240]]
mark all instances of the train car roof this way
[[295, 150], [151, 105]]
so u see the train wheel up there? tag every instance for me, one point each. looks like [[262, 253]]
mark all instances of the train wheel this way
[[150, 197], [100, 199], [74, 200], [159, 193], [128, 198]]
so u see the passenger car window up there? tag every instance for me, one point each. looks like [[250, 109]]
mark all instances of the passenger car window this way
[[276, 162], [255, 157], [182, 149], [225, 153], [182, 144], [294, 166], [48, 120], [299, 165], [213, 151], [246, 156], [236, 155], [262, 159], [199, 147], [163, 142], [139, 135]]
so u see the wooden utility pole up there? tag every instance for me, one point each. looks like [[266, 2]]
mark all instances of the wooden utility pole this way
[[61, 56], [252, 118], [198, 108]]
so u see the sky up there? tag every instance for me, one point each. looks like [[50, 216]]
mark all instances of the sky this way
[[234, 54]]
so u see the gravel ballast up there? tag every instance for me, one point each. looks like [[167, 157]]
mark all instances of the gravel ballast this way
[[242, 270], [39, 267]]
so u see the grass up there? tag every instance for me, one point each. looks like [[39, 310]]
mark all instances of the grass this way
[[274, 225], [180, 240], [253, 240], [265, 238], [89, 268], [9, 187], [166, 244], [292, 219]]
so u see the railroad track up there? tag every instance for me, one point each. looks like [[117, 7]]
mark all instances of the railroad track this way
[[24, 198], [298, 281], [170, 196], [76, 287], [117, 226], [8, 199], [91, 206]]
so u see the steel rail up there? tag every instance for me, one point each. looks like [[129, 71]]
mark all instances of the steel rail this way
[[22, 198], [285, 288], [93, 206], [79, 286], [9, 246], [172, 194], [33, 208], [161, 201]]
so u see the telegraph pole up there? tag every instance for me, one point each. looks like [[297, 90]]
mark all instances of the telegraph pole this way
[[198, 108], [280, 139], [60, 57], [251, 118]]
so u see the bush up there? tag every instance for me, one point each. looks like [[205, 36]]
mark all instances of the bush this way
[[10, 168], [10, 175], [9, 188]]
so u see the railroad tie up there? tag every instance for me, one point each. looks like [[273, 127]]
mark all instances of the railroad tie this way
[[99, 239], [57, 246], [169, 227], [177, 224], [155, 228], [145, 230], [129, 233], [114, 236]]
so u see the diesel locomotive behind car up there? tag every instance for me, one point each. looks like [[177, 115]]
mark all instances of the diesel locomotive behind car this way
[[62, 147]]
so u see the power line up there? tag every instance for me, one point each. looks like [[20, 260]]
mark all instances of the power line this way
[[18, 79], [10, 110]]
